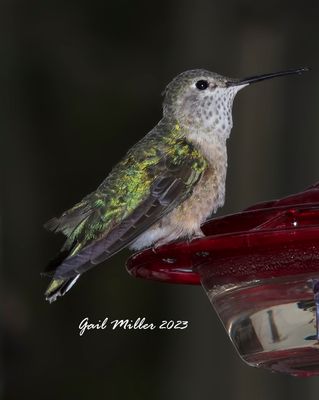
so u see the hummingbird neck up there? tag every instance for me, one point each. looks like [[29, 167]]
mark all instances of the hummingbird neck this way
[[211, 144], [209, 139], [208, 132]]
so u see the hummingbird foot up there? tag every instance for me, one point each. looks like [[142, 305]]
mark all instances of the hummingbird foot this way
[[160, 243], [170, 239], [197, 235]]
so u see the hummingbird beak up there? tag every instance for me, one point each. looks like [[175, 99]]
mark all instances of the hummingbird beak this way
[[258, 78]]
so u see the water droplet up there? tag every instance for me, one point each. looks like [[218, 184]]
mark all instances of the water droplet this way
[[169, 260]]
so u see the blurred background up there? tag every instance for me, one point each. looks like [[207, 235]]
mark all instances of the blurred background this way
[[80, 83]]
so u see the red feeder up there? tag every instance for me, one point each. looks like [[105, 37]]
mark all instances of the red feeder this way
[[260, 270]]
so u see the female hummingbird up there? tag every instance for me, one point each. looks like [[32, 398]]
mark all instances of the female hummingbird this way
[[164, 188]]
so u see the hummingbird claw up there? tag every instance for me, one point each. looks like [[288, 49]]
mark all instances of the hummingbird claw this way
[[198, 234]]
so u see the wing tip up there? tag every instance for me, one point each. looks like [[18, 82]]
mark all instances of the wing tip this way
[[52, 225]]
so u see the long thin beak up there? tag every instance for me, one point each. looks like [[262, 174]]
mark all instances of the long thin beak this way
[[258, 78]]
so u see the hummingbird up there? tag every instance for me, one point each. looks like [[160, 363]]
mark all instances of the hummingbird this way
[[164, 188]]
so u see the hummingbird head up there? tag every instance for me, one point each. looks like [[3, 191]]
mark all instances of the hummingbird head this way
[[202, 100]]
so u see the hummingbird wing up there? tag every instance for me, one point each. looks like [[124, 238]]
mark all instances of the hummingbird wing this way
[[141, 189]]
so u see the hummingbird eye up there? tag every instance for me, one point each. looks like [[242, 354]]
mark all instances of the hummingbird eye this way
[[202, 84]]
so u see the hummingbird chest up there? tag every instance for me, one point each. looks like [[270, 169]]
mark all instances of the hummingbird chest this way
[[185, 220], [208, 195]]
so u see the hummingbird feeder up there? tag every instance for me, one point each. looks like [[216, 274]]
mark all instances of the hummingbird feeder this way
[[260, 270]]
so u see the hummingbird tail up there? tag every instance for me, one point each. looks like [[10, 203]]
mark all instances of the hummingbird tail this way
[[58, 287]]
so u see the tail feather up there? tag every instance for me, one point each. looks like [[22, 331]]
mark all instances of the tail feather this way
[[58, 287]]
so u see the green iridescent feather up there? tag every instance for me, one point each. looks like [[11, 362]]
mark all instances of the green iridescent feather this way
[[159, 172]]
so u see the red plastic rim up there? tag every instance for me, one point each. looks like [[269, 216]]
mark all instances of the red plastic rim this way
[[270, 239]]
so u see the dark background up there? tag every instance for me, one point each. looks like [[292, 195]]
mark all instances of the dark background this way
[[80, 82]]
